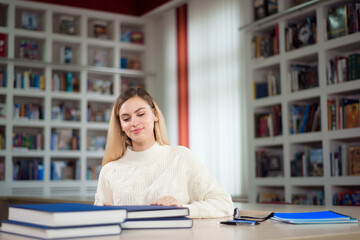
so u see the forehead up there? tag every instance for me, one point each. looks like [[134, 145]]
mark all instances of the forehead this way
[[133, 104]]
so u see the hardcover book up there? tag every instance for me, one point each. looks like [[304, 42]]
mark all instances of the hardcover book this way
[[45, 232], [67, 25], [260, 9], [100, 30], [3, 45], [29, 21], [66, 214], [154, 211], [157, 223], [337, 21], [101, 56]]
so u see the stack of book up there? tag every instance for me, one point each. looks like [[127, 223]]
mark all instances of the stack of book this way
[[70, 220], [322, 217], [156, 217]]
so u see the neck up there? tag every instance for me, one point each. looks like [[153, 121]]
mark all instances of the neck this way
[[139, 147]]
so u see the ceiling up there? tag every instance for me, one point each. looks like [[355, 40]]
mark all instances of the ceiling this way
[[128, 7]]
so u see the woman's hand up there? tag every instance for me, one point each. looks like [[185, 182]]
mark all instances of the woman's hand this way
[[167, 201]]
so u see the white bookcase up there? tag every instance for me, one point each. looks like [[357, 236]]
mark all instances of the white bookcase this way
[[318, 54], [94, 85]]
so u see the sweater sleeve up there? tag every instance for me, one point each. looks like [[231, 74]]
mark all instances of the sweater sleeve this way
[[208, 199], [103, 192]]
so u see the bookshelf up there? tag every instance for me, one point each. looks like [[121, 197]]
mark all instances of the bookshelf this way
[[58, 79], [295, 159]]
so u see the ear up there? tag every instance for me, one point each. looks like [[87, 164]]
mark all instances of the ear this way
[[156, 115]]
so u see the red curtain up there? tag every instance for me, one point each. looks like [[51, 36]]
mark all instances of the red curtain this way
[[182, 65]]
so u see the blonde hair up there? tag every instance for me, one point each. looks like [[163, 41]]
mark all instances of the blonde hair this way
[[117, 140]]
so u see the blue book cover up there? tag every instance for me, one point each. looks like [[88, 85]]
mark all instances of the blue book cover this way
[[313, 217], [154, 211], [305, 117], [66, 214], [46, 232]]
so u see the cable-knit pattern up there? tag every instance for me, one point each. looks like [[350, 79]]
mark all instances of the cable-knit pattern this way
[[139, 178]]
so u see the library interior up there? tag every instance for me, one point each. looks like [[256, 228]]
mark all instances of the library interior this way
[[265, 93]]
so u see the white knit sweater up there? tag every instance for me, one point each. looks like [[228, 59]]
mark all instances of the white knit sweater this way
[[139, 178]]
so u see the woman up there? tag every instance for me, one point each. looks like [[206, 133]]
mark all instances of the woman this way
[[140, 168]]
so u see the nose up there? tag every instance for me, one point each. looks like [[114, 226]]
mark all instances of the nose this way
[[134, 121]]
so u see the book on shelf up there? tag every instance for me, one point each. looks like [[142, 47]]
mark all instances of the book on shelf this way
[[269, 197], [3, 15], [2, 110], [64, 139], [137, 37], [28, 169], [98, 114], [65, 169], [65, 54], [45, 232], [310, 198], [300, 34], [354, 66], [343, 69], [134, 64], [272, 7], [3, 78], [260, 9], [67, 24], [354, 160], [132, 36], [29, 20], [321, 217], [299, 199], [315, 167], [2, 170], [303, 77], [65, 112], [99, 86], [101, 57], [269, 162], [343, 112], [66, 214], [340, 160], [343, 19], [130, 63], [93, 172], [29, 80], [27, 141], [347, 198], [269, 88], [264, 8], [268, 122], [304, 117], [266, 45], [65, 82], [100, 29], [96, 143], [28, 49], [307, 163], [3, 45], [158, 223], [33, 111]]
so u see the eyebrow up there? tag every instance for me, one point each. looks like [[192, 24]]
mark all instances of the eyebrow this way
[[137, 110]]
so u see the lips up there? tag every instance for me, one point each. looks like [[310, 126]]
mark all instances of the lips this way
[[137, 130]]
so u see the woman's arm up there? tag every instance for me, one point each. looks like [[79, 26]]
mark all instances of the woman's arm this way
[[103, 194], [208, 199]]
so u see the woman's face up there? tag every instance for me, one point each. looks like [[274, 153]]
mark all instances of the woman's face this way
[[137, 120]]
